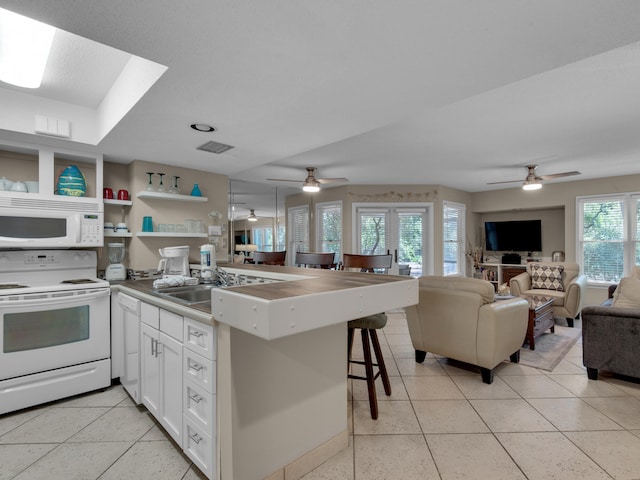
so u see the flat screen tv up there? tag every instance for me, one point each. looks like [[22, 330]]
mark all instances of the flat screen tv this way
[[513, 236]]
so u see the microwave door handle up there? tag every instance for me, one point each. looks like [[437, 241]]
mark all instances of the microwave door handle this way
[[53, 301], [77, 224]]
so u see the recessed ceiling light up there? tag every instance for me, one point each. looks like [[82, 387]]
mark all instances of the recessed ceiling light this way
[[203, 127]]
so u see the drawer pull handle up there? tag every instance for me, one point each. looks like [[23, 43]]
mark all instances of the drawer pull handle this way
[[195, 437], [195, 366], [196, 333], [195, 397]]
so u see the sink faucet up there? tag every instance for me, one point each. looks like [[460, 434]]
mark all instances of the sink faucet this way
[[222, 276]]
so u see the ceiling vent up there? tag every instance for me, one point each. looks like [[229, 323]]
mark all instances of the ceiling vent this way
[[214, 147]]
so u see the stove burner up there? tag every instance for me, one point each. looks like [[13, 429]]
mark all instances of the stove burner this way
[[76, 281], [7, 286]]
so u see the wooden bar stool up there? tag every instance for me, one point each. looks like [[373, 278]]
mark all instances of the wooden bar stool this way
[[368, 326]]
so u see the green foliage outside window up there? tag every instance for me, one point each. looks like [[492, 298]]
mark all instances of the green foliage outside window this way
[[603, 236]]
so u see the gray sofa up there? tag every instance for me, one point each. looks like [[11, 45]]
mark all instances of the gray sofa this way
[[610, 340], [611, 331]]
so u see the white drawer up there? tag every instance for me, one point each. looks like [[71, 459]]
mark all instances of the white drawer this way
[[149, 314], [199, 447], [200, 406], [199, 370], [171, 324], [200, 338]]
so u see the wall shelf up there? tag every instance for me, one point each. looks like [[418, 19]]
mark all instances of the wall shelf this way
[[171, 234], [123, 203], [171, 196], [118, 235]]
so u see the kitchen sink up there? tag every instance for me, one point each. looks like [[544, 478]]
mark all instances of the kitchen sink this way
[[188, 294], [201, 293]]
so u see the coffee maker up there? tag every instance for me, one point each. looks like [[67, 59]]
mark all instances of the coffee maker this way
[[174, 261]]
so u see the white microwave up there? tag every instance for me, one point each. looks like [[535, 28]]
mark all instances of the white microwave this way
[[50, 223]]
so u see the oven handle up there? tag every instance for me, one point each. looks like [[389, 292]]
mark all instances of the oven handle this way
[[25, 302]]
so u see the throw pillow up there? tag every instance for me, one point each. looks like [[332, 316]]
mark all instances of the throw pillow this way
[[628, 293], [547, 277]]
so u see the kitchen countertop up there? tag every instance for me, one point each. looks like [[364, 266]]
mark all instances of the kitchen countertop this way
[[281, 359], [308, 298]]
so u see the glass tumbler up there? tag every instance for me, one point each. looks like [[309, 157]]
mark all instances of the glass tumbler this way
[[147, 224]]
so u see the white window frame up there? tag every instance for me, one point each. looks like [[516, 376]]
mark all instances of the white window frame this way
[[319, 240], [265, 230], [629, 240], [297, 244], [428, 239], [460, 242]]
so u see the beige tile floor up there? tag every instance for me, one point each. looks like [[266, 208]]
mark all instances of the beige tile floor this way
[[441, 422]]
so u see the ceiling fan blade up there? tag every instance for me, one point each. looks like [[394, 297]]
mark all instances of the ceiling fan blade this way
[[558, 175], [506, 181], [284, 180], [331, 180]]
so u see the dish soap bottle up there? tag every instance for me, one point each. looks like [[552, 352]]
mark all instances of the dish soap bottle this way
[[196, 191]]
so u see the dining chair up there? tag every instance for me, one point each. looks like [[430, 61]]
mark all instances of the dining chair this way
[[269, 258], [368, 326], [324, 260]]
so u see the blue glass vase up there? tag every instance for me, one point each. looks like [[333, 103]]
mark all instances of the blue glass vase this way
[[71, 182], [196, 191]]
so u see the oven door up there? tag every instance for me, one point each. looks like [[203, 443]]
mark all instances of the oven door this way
[[40, 332]]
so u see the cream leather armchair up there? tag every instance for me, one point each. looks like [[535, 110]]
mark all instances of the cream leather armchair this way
[[566, 303], [457, 317]]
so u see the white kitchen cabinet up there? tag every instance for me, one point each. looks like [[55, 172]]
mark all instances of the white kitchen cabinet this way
[[43, 163], [176, 367], [125, 342], [161, 368], [199, 400]]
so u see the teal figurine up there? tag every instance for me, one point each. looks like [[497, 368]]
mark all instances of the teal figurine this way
[[196, 191], [71, 182]]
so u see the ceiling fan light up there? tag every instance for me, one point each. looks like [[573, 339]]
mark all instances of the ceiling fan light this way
[[311, 187], [531, 185], [252, 216]]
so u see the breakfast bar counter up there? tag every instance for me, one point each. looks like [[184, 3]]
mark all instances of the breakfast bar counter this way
[[281, 393]]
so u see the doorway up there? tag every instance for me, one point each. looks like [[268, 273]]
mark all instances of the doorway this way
[[403, 230]]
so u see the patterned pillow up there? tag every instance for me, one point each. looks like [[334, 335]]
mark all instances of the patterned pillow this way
[[547, 277]]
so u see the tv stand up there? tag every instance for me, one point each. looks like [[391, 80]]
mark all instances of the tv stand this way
[[499, 273]]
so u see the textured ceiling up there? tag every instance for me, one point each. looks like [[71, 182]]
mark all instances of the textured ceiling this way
[[451, 92]]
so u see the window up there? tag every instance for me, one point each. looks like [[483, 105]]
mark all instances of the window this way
[[608, 236], [329, 228], [400, 229], [453, 238], [298, 230], [263, 238]]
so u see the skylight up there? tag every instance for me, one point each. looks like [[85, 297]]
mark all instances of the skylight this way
[[24, 49]]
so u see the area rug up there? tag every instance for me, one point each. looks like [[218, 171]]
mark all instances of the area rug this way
[[551, 348]]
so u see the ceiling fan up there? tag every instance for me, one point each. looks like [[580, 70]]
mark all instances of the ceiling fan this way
[[312, 183], [533, 181]]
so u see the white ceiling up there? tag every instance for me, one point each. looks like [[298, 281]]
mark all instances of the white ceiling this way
[[451, 92]]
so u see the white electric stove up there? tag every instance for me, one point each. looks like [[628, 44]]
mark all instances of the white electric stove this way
[[54, 326]]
